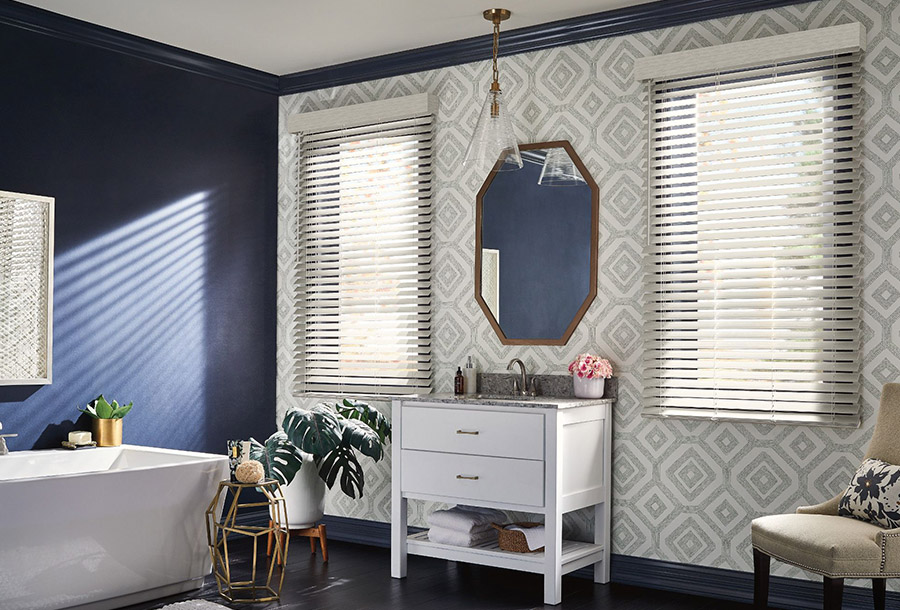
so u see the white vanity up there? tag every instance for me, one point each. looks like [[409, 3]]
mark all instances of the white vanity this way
[[541, 455]]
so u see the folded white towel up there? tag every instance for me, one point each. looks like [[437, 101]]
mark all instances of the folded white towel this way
[[464, 520], [456, 538], [534, 536]]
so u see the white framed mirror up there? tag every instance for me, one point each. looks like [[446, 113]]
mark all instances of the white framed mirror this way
[[26, 289]]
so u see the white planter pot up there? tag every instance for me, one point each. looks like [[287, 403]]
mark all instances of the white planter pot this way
[[588, 388], [305, 496]]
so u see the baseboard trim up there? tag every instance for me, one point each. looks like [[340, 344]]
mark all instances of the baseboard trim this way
[[732, 585], [717, 583], [371, 533]]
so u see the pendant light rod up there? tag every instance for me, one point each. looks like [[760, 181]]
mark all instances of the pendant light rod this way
[[495, 16]]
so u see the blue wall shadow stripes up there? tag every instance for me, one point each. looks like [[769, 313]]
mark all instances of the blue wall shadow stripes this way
[[165, 184]]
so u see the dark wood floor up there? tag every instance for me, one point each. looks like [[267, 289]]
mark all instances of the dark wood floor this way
[[358, 577]]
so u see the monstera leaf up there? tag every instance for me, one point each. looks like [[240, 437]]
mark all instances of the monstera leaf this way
[[360, 436], [360, 411], [316, 431], [280, 458], [342, 461], [332, 434]]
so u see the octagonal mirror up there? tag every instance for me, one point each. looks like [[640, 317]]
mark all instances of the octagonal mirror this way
[[536, 238]]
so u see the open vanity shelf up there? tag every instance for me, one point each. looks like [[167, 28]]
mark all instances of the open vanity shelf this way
[[541, 455], [575, 555]]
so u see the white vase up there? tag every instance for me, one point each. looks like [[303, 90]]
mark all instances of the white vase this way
[[589, 388], [305, 497]]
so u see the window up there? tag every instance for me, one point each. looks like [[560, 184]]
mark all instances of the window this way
[[752, 299], [363, 280]]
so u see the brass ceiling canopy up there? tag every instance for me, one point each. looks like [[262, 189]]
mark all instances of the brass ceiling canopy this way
[[496, 15]]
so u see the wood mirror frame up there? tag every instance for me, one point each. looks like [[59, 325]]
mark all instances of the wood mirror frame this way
[[594, 245]]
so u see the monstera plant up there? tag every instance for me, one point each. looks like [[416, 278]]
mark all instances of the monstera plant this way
[[329, 434]]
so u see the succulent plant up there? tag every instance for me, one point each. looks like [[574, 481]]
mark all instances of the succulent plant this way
[[100, 408]]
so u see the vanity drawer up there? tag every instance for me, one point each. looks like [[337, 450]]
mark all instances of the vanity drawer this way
[[502, 434], [473, 477]]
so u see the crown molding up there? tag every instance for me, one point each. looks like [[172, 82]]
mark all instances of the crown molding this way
[[628, 20], [38, 20]]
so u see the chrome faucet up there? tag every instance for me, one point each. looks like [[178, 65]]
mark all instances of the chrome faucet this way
[[523, 388], [3, 448]]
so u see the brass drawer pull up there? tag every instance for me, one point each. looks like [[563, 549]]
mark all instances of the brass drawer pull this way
[[467, 477], [473, 432]]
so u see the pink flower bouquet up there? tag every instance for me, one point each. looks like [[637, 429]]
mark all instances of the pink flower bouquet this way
[[589, 366]]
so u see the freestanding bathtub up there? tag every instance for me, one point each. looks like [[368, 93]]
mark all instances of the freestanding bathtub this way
[[103, 528]]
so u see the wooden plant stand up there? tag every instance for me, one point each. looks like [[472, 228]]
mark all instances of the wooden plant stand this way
[[312, 533]]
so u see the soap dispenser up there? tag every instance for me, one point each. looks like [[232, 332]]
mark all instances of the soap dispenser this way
[[471, 375]]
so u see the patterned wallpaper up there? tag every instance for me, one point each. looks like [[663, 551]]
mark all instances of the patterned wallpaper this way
[[683, 491]]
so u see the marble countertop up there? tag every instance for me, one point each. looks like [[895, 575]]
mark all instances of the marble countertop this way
[[530, 402]]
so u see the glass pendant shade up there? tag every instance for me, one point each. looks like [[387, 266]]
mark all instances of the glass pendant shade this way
[[560, 170], [494, 137]]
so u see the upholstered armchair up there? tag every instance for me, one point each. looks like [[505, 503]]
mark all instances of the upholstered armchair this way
[[816, 539]]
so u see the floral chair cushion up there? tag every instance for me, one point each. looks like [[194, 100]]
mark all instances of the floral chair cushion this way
[[873, 494]]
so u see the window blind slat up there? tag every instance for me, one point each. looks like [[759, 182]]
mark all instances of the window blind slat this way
[[363, 268], [752, 290]]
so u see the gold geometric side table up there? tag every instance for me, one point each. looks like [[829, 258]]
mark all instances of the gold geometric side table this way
[[263, 585]]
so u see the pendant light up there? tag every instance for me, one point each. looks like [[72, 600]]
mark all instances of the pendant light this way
[[494, 136], [560, 170]]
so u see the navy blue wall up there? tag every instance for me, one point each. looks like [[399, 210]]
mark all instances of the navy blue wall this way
[[165, 185]]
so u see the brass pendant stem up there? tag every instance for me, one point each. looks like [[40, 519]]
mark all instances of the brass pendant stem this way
[[495, 51], [495, 16]]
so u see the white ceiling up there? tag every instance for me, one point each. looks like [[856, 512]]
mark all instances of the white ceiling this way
[[285, 36]]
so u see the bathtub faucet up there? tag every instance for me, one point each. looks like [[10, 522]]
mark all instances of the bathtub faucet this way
[[3, 449]]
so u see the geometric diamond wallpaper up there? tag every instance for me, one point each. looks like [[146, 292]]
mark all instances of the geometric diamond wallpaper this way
[[683, 490]]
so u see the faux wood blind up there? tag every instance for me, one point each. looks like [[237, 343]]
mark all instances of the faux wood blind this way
[[363, 280], [752, 268]]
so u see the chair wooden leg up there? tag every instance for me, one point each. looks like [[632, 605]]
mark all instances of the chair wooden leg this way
[[312, 545], [878, 587], [323, 540], [269, 541], [834, 593], [760, 580]]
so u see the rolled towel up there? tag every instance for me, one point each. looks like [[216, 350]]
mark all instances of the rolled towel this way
[[456, 538], [534, 536], [465, 521]]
